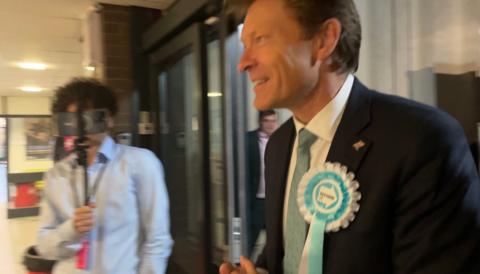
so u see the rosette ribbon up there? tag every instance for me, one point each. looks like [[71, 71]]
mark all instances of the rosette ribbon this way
[[328, 199]]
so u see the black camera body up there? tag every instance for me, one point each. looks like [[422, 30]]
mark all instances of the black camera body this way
[[94, 121]]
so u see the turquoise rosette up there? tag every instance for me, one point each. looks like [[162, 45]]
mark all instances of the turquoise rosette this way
[[328, 199]]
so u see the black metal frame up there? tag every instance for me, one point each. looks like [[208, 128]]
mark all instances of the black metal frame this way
[[178, 18]]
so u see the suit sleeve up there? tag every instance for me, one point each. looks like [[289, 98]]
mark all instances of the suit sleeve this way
[[436, 222]]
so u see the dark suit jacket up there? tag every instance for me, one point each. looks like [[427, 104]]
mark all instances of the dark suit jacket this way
[[253, 164], [253, 180], [420, 206]]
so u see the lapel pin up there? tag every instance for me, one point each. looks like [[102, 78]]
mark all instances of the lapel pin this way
[[358, 145]]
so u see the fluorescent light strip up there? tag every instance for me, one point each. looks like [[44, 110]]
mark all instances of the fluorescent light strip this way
[[214, 94], [32, 66], [31, 89]]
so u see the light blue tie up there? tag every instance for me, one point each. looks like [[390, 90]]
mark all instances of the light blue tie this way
[[296, 229]]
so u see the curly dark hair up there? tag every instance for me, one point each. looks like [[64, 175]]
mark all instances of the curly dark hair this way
[[88, 92]]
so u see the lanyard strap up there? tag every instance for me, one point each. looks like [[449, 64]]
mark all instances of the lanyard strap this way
[[93, 189]]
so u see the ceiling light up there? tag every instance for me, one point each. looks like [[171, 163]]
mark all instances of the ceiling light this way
[[31, 89], [90, 68], [33, 66], [212, 20], [214, 94]]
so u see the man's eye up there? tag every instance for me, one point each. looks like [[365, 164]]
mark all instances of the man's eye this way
[[260, 39]]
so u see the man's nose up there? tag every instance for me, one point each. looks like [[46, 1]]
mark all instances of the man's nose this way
[[246, 61]]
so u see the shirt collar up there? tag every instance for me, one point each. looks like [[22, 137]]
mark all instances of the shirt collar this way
[[106, 148], [325, 122], [262, 134]]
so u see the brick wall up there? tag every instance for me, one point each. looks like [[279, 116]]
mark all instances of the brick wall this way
[[117, 61]]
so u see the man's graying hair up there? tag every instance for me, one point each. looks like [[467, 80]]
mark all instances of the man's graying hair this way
[[311, 14]]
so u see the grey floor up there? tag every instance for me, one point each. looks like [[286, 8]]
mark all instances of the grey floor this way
[[18, 234]]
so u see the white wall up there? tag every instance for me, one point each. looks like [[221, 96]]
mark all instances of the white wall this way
[[17, 139], [376, 53], [27, 106], [403, 36], [445, 32]]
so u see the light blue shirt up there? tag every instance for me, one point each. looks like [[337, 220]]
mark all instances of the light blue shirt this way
[[131, 231]]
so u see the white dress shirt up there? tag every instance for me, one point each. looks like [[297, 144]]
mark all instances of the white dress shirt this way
[[131, 234], [324, 125], [262, 144]]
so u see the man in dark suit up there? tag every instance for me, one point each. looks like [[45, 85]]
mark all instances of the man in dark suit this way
[[420, 193], [256, 144]]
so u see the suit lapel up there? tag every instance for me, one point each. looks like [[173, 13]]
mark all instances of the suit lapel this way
[[282, 161], [349, 147], [255, 166]]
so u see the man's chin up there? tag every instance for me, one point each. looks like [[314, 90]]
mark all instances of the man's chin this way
[[262, 105]]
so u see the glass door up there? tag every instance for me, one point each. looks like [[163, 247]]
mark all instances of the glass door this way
[[178, 83]]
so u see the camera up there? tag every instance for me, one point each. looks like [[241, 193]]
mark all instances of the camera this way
[[95, 121]]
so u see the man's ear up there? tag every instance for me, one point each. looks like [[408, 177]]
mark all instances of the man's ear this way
[[326, 40]]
